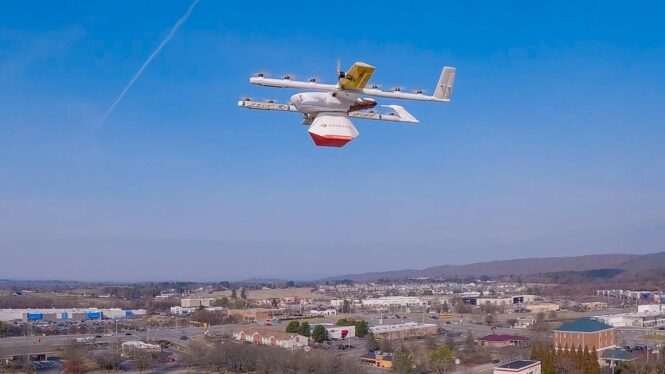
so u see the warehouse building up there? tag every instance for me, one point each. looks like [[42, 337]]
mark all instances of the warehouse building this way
[[336, 332], [397, 301], [195, 303], [404, 330], [498, 301], [28, 315], [651, 315]]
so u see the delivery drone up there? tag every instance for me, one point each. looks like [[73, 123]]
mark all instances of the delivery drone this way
[[327, 113]]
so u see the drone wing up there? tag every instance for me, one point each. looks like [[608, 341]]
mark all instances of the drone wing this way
[[442, 91], [397, 113], [287, 82]]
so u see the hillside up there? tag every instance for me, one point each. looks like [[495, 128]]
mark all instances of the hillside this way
[[626, 262]]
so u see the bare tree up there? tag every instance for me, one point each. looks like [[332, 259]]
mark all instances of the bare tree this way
[[74, 357]]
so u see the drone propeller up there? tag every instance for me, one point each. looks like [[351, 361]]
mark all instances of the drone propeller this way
[[396, 89], [245, 98], [340, 73], [418, 91], [261, 74]]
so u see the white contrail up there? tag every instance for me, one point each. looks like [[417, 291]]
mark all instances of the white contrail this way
[[147, 62]]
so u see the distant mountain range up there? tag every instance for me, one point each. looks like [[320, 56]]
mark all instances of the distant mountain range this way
[[627, 263]]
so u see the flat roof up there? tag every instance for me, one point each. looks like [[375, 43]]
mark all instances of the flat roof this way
[[518, 364]]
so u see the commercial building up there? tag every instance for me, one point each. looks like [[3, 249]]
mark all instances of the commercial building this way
[[323, 312], [74, 314], [336, 332], [136, 345], [524, 322], [647, 296], [195, 303], [519, 367], [542, 307], [498, 341], [404, 330], [652, 315], [586, 333], [498, 301], [255, 314], [377, 360], [272, 337], [594, 305], [396, 301]]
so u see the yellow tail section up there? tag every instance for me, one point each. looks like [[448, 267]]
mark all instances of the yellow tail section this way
[[357, 76]]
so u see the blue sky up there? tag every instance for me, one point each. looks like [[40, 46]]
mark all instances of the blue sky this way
[[553, 144]]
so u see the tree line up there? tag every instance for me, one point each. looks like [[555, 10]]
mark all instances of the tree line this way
[[569, 360]]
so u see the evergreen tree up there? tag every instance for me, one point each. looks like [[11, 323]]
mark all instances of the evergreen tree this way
[[402, 361], [371, 343], [549, 357], [469, 343], [537, 352], [362, 328], [450, 342], [442, 360], [319, 334], [304, 329], [293, 327], [593, 366]]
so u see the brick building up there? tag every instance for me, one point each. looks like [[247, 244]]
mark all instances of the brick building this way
[[585, 332]]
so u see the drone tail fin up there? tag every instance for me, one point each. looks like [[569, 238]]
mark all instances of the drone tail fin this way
[[444, 87]]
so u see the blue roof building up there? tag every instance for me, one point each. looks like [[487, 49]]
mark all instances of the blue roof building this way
[[585, 333], [584, 325]]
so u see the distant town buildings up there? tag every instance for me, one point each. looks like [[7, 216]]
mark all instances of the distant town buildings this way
[[634, 296]]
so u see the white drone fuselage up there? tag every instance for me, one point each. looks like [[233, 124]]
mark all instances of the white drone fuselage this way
[[312, 103], [327, 113]]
